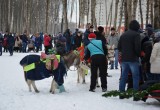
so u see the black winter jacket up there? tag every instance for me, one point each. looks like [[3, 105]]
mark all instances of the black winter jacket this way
[[130, 46]]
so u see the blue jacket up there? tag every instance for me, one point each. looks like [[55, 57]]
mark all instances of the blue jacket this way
[[93, 50], [38, 42]]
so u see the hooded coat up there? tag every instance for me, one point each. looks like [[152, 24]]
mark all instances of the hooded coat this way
[[130, 44]]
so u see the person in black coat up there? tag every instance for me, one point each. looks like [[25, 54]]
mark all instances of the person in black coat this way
[[10, 42], [78, 40], [130, 47], [67, 35], [100, 35], [24, 42]]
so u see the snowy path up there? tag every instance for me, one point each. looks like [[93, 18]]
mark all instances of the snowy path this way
[[14, 93]]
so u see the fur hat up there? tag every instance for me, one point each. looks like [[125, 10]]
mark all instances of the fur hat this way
[[134, 25], [91, 36], [100, 28]]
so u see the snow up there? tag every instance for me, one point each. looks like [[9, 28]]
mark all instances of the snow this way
[[14, 93]]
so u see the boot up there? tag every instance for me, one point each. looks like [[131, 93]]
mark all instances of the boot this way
[[61, 89]]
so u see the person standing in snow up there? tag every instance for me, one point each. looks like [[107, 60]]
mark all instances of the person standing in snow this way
[[97, 51], [130, 47]]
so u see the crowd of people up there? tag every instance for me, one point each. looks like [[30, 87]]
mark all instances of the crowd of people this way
[[135, 52]]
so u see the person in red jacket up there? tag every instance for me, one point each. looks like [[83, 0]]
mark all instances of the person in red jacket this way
[[47, 44]]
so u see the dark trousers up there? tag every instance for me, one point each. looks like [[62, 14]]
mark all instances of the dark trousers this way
[[5, 49], [16, 49], [98, 62], [10, 49], [47, 49], [0, 49], [37, 49]]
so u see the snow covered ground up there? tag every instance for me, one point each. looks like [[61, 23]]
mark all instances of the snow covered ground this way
[[14, 94]]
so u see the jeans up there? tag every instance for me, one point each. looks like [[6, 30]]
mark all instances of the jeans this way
[[126, 67], [24, 46], [116, 59]]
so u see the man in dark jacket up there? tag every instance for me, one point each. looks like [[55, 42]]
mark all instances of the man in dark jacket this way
[[87, 32], [67, 35], [24, 42], [10, 42], [100, 35], [130, 47], [37, 42]]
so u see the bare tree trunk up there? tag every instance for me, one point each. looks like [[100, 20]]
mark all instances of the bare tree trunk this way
[[129, 9], [121, 15], [47, 14], [110, 11], [147, 13], [116, 13], [106, 16], [82, 7], [141, 14], [88, 7], [72, 8], [111, 14], [93, 17], [151, 12], [135, 2], [156, 14], [12, 16], [65, 14], [126, 15], [80, 13]]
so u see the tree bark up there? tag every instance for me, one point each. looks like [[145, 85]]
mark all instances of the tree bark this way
[[156, 14], [135, 2], [65, 14], [93, 16], [121, 15], [47, 14], [141, 14], [147, 13], [116, 13]]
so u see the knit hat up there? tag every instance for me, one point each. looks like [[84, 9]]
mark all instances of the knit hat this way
[[91, 36]]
